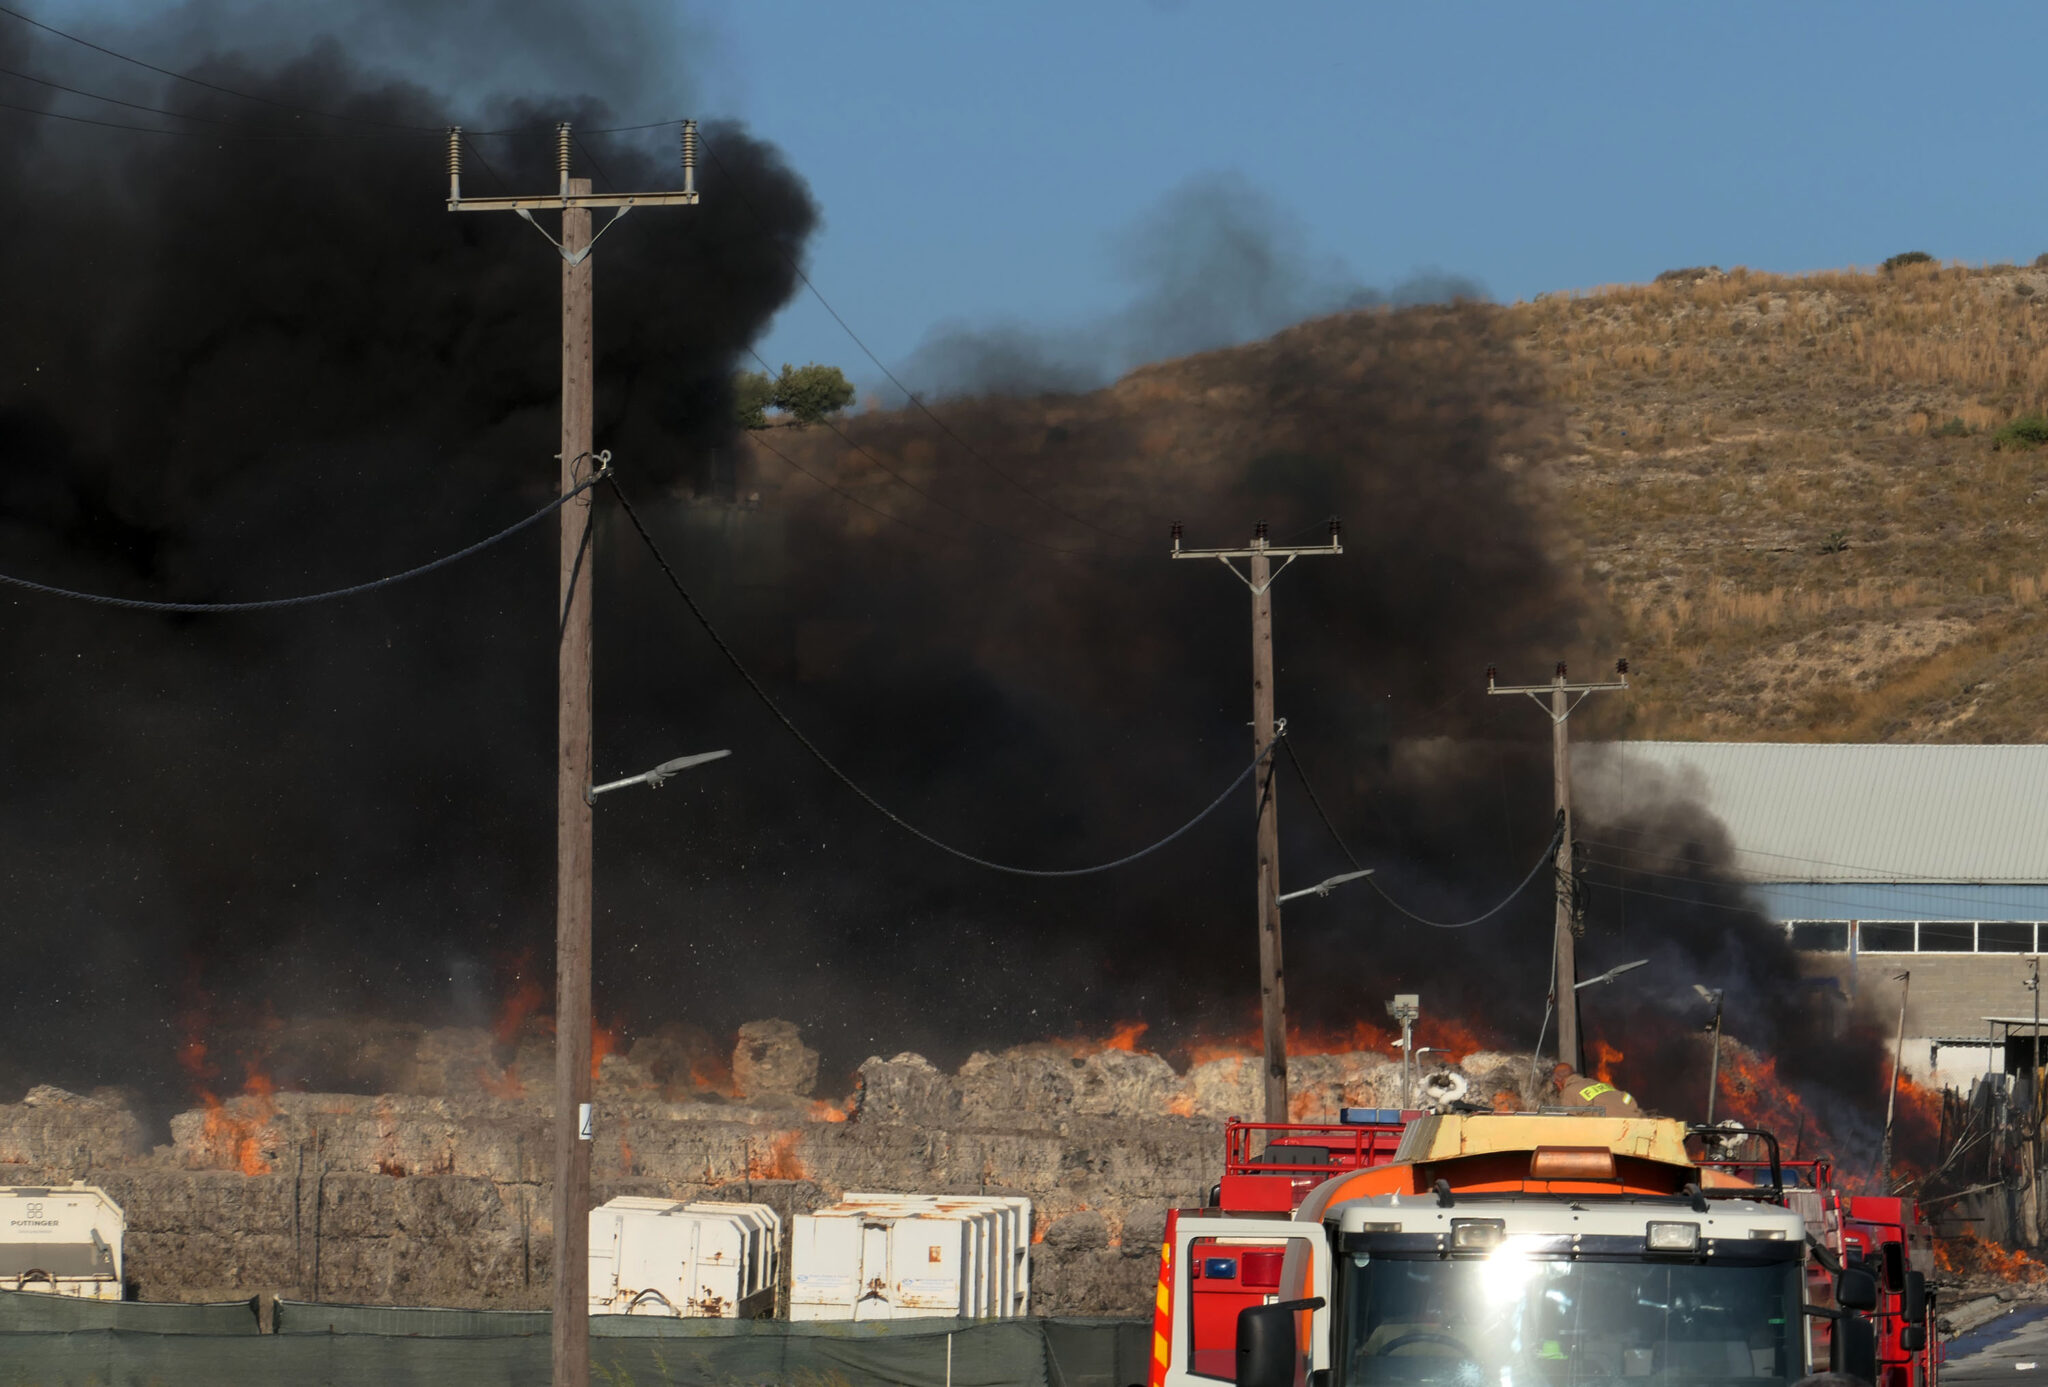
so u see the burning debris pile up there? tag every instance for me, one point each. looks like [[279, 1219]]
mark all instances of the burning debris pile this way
[[440, 1194]]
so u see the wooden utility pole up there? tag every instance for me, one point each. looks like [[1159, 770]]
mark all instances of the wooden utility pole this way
[[1883, 1169], [1265, 728], [1564, 979], [573, 790]]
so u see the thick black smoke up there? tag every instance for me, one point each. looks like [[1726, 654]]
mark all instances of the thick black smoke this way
[[248, 362], [238, 368]]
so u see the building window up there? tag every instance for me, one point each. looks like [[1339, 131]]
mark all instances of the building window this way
[[1820, 936], [2005, 937], [1947, 937], [1885, 937]]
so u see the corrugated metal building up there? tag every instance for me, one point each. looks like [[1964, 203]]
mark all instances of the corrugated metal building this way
[[1876, 859]]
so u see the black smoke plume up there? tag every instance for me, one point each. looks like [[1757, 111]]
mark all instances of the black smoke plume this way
[[237, 368]]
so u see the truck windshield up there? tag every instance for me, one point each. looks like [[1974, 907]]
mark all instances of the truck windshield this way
[[1509, 1319]]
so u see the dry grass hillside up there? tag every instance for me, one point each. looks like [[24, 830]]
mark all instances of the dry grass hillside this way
[[1799, 504], [1805, 500]]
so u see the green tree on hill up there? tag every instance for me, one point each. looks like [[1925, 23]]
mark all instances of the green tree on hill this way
[[801, 394]]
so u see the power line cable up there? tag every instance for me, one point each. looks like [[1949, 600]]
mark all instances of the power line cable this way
[[1373, 880], [1986, 910], [278, 603], [110, 100], [997, 530], [843, 778], [394, 129], [711, 151], [210, 86]]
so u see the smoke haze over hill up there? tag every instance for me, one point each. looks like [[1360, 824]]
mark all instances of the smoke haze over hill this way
[[250, 368]]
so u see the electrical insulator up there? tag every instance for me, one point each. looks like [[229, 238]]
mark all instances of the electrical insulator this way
[[1560, 669], [1175, 535], [1336, 530], [1259, 531], [1621, 667], [562, 153], [454, 151]]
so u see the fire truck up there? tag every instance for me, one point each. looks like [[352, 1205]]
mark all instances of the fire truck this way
[[1493, 1247], [1885, 1235]]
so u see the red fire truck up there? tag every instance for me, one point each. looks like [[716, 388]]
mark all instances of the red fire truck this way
[[1268, 1169], [1885, 1235], [1423, 1249]]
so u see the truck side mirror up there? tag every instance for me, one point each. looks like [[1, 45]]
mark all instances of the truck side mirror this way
[[1913, 1338], [1856, 1289], [1895, 1266], [1854, 1350], [1268, 1350], [1915, 1307]]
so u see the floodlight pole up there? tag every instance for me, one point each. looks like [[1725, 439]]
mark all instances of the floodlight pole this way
[[573, 1079], [1563, 990], [1272, 984]]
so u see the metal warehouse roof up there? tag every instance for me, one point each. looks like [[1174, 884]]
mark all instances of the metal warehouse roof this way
[[1839, 812]]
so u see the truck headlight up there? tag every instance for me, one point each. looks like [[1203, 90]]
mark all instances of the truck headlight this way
[[1673, 1237]]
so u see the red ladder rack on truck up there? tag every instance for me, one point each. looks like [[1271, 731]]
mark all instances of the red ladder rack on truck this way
[[1229, 1272]]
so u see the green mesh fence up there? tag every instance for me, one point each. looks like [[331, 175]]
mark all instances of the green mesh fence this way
[[32, 1312], [346, 1345]]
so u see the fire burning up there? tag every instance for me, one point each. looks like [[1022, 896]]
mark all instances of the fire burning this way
[[779, 1162], [1448, 1040], [1966, 1254], [236, 1131]]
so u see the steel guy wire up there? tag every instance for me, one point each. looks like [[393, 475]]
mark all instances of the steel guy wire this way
[[753, 436], [1549, 850], [796, 267], [136, 604], [1009, 535], [843, 778]]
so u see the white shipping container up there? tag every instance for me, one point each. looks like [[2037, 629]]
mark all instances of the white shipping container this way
[[64, 1240], [910, 1256], [1011, 1251], [701, 1260]]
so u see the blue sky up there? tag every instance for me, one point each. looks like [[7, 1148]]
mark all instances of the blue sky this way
[[988, 165], [980, 162]]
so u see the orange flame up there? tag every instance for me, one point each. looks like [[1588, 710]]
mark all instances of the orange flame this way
[[1181, 1105], [1452, 1039], [1605, 1058], [1125, 1037], [780, 1162], [238, 1128], [625, 1156], [604, 1040], [1967, 1255], [522, 1005], [823, 1111], [713, 1074]]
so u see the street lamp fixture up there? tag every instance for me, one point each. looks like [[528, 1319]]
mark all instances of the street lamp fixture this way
[[653, 779], [1610, 975], [1322, 888]]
